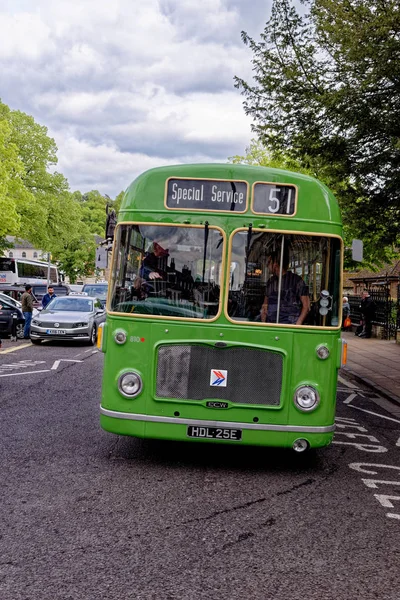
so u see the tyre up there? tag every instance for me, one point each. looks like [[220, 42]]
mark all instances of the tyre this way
[[93, 336], [20, 331]]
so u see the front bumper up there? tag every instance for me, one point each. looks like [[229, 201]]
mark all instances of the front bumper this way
[[75, 334]]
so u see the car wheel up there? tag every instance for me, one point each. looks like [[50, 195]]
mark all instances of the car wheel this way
[[93, 336], [20, 331], [36, 341]]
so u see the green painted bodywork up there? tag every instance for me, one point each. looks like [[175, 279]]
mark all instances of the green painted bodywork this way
[[317, 212]]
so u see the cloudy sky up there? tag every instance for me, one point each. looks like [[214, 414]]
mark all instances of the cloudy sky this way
[[126, 85]]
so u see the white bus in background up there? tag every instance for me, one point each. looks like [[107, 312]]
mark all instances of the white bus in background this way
[[14, 271]]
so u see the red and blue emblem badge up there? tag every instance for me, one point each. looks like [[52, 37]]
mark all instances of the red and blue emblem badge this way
[[218, 377]]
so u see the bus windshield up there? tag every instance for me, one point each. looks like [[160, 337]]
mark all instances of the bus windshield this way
[[283, 278], [172, 271]]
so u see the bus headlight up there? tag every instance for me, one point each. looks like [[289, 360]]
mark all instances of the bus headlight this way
[[120, 336], [306, 398], [322, 352], [130, 384]]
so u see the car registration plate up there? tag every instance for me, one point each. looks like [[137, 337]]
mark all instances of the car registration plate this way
[[55, 331], [214, 433]]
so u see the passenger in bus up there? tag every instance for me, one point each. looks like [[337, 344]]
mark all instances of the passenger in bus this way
[[294, 301]]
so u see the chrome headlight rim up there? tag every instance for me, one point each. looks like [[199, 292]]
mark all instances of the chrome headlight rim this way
[[322, 351], [306, 386], [120, 336], [126, 375]]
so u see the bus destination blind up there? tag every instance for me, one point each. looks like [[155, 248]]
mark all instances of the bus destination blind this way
[[206, 194], [274, 199]]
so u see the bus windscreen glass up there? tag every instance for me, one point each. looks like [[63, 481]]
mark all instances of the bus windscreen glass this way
[[167, 271], [290, 279]]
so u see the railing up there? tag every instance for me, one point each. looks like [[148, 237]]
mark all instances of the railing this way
[[387, 310]]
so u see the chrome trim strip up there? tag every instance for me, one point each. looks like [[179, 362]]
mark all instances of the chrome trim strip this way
[[176, 421]]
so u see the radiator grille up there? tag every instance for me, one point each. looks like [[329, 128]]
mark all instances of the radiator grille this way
[[254, 376]]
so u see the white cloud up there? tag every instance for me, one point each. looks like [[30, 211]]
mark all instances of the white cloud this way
[[128, 85]]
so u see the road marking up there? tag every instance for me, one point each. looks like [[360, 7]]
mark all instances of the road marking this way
[[55, 366], [90, 350], [94, 351], [56, 363], [16, 348], [347, 383], [374, 413], [349, 398], [398, 442], [25, 373]]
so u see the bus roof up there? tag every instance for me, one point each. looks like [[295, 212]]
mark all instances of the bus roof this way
[[148, 193]]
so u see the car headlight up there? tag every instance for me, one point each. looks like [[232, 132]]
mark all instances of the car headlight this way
[[34, 322], [306, 398], [130, 384], [83, 324]]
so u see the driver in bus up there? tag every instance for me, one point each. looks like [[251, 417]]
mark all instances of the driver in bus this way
[[154, 265], [294, 302]]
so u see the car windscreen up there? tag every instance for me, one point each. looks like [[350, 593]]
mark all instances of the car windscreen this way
[[70, 304], [96, 291]]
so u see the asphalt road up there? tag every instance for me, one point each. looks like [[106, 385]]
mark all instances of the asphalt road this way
[[88, 515]]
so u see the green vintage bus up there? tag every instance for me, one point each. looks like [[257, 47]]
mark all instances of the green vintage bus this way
[[224, 308]]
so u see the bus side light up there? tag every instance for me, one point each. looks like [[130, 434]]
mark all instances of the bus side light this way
[[100, 332], [344, 354]]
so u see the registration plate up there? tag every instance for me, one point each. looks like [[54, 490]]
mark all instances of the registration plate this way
[[214, 433], [55, 331]]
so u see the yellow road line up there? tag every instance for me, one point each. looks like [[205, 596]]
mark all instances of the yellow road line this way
[[14, 349]]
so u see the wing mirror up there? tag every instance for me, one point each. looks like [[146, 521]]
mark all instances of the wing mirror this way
[[357, 250]]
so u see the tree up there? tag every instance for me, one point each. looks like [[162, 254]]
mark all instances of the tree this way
[[327, 95]]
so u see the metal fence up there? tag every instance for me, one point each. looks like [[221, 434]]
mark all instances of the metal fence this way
[[387, 310]]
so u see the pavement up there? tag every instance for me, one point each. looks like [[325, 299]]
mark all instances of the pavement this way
[[375, 363]]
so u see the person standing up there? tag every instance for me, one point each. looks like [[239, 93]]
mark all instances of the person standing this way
[[345, 313], [27, 309], [49, 296], [367, 307]]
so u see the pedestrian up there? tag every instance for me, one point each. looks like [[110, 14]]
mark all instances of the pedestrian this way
[[294, 300], [346, 322], [367, 308], [27, 309], [49, 296]]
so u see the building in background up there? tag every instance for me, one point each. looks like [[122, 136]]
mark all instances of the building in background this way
[[23, 249]]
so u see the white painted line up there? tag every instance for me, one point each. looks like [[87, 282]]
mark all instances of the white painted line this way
[[88, 350], [398, 442], [349, 398], [26, 373], [94, 351], [56, 363], [374, 413], [14, 349], [347, 383]]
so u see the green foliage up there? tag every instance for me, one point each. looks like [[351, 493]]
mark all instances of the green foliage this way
[[327, 96], [35, 201]]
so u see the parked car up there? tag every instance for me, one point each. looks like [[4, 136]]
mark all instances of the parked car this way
[[75, 287], [97, 290], [7, 312], [14, 291], [11, 306], [74, 318]]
